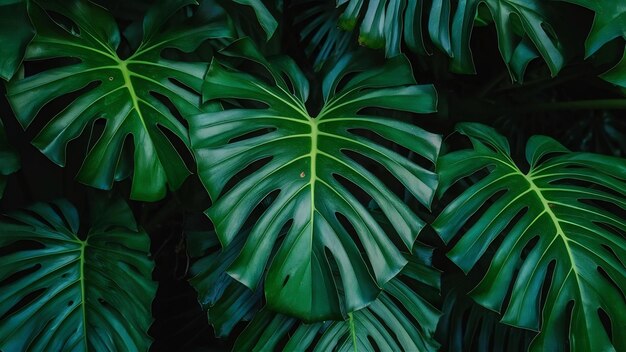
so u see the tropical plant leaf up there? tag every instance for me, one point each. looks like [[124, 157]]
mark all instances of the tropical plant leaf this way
[[306, 160], [320, 33], [467, 326], [402, 318], [226, 301], [60, 292], [15, 34], [523, 28], [386, 23], [609, 23], [9, 159], [562, 223], [524, 31], [122, 92]]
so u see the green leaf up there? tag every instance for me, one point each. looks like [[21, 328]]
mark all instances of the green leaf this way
[[16, 32], [401, 319], [122, 92], [59, 292], [609, 23], [226, 301], [263, 15], [518, 24], [324, 40], [9, 159], [386, 23], [305, 160], [561, 223], [467, 326]]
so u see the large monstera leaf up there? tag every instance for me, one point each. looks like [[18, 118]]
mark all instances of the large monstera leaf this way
[[609, 23], [122, 92], [60, 292], [559, 229], [316, 166], [403, 318], [9, 160]]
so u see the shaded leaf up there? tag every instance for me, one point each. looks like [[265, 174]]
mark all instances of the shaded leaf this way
[[59, 292], [562, 224]]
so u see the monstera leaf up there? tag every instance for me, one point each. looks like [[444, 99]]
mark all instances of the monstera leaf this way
[[61, 292], [522, 27], [385, 23], [401, 319], [608, 24], [467, 326], [310, 168], [9, 160], [122, 92], [15, 33], [559, 228], [226, 301]]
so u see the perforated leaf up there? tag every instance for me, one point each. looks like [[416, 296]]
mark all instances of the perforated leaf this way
[[122, 92], [559, 227], [305, 159], [61, 292]]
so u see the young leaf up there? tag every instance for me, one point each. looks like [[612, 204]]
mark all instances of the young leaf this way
[[59, 292], [309, 162], [562, 224], [119, 91]]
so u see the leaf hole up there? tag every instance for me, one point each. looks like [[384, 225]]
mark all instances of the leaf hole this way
[[23, 302]]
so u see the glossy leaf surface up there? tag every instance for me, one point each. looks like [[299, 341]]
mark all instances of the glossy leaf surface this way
[[401, 319], [304, 159], [59, 292], [122, 92], [561, 227]]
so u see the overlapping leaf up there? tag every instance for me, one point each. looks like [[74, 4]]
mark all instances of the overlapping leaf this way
[[15, 33], [9, 160], [307, 160], [122, 92], [226, 301], [386, 23], [609, 23], [320, 33], [59, 292], [524, 31], [559, 227], [467, 326], [401, 319], [523, 28]]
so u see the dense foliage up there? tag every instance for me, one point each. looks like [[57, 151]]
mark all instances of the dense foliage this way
[[350, 175]]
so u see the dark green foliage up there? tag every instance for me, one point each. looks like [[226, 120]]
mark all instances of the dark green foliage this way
[[350, 175]]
